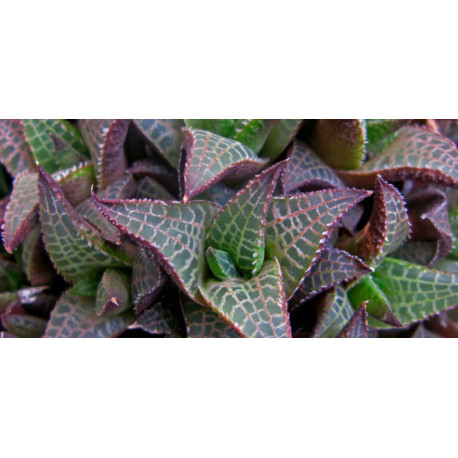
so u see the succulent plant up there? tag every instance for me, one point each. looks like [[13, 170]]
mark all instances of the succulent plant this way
[[228, 228]]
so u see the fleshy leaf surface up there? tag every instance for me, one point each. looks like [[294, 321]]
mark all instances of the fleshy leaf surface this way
[[299, 226], [239, 228], [208, 158], [415, 292], [24, 325], [175, 232], [254, 307], [74, 316], [357, 326], [340, 142], [113, 292], [165, 135], [414, 154], [280, 137], [253, 132], [305, 168]]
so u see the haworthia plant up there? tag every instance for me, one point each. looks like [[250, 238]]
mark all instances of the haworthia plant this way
[[222, 228]]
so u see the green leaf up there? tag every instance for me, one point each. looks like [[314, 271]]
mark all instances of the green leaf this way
[[15, 154], [221, 264], [44, 134], [415, 292], [74, 316], [175, 232], [239, 228], [332, 268], [340, 142], [280, 137], [148, 280], [255, 307], [357, 326], [203, 322], [223, 127], [305, 168], [105, 139], [387, 229], [165, 135], [299, 226], [113, 293], [208, 158], [68, 237], [21, 215], [414, 154], [87, 287], [378, 304], [148, 188], [379, 130], [335, 311], [253, 132], [218, 193], [11, 277]]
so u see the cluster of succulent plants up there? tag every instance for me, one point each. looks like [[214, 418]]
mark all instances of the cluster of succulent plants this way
[[228, 228]]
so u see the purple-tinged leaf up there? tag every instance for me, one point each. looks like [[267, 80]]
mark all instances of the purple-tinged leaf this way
[[280, 137], [35, 260], [414, 154], [76, 182], [332, 268], [429, 218], [449, 128], [378, 305], [175, 232], [357, 326], [299, 226], [165, 135], [203, 322], [149, 188], [239, 228], [339, 142], [218, 193], [24, 325], [105, 139], [15, 154], [148, 280], [74, 316], [113, 293], [254, 307], [68, 238], [160, 173], [334, 312], [387, 229], [208, 158], [253, 132], [305, 168], [417, 252]]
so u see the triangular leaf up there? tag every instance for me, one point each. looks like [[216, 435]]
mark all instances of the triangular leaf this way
[[221, 264], [174, 231], [113, 293], [208, 158], [74, 316], [305, 168], [255, 307], [298, 227], [414, 154], [239, 228], [280, 137], [357, 326]]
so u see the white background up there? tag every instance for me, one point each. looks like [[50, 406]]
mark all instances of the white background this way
[[208, 59]]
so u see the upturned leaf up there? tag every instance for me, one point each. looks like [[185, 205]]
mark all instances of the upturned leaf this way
[[332, 268], [378, 304], [15, 153], [254, 307], [299, 226], [415, 292], [387, 229], [74, 316], [239, 227], [68, 238], [105, 139], [305, 168], [335, 311], [175, 232], [208, 158], [357, 326], [221, 264], [280, 137], [203, 322], [414, 154], [253, 132], [113, 293], [43, 135], [339, 142], [165, 135], [148, 280]]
